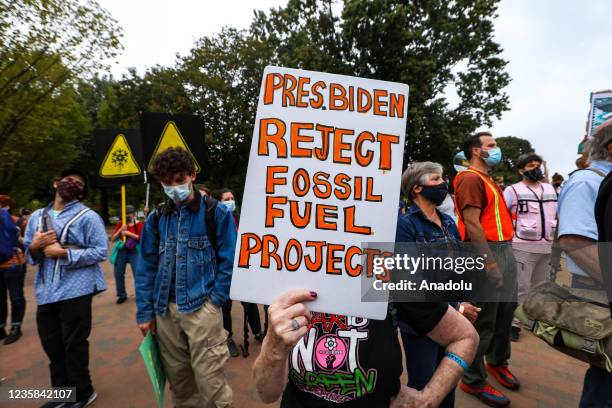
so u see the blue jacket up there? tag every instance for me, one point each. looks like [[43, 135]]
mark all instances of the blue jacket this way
[[177, 242], [414, 226], [79, 274]]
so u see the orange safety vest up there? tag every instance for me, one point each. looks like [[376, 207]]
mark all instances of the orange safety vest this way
[[494, 218]]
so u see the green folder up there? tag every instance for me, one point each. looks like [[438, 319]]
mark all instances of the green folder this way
[[150, 355]]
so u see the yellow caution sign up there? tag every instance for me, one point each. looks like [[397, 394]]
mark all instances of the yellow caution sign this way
[[119, 160], [171, 137]]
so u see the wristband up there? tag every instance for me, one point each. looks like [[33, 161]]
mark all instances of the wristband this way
[[457, 360]]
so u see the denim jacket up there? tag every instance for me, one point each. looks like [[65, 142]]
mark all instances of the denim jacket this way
[[414, 226], [177, 242]]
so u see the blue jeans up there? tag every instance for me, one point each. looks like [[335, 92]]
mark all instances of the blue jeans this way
[[123, 258], [422, 358], [597, 389], [11, 280]]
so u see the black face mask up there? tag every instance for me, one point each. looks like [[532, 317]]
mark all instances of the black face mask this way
[[534, 175], [436, 194], [69, 190]]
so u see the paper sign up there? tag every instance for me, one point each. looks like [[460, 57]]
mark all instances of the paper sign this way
[[150, 355], [601, 110], [323, 179]]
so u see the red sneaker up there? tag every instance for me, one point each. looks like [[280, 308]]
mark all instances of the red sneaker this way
[[486, 394], [504, 376]]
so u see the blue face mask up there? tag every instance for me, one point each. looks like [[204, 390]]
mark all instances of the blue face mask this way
[[230, 204], [178, 193], [495, 156]]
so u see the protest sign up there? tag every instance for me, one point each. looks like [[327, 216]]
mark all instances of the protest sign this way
[[323, 179], [163, 130], [601, 110], [119, 154]]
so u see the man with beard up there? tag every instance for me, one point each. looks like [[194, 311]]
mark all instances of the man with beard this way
[[67, 241]]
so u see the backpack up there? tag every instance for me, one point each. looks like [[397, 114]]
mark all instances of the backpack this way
[[8, 236], [209, 218], [574, 325]]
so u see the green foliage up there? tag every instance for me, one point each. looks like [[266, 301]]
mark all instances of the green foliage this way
[[430, 45], [45, 47]]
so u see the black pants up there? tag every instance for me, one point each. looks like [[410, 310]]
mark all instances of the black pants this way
[[11, 280], [63, 328], [252, 313]]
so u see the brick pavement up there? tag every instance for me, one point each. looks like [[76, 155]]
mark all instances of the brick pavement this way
[[549, 379]]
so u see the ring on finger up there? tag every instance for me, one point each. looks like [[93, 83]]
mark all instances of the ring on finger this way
[[295, 325]]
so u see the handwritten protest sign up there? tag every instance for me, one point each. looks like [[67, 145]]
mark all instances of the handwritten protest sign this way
[[323, 179]]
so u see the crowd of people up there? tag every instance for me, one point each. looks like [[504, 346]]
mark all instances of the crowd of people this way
[[182, 257]]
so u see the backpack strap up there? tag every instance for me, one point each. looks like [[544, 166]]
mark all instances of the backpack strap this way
[[210, 218]]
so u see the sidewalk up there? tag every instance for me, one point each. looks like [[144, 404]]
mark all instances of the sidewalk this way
[[549, 378]]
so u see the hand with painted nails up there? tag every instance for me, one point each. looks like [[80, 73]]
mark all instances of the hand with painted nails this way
[[289, 319]]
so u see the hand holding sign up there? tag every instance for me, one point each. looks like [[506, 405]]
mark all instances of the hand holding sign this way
[[323, 179]]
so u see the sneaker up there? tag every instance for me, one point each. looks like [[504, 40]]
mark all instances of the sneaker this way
[[52, 404], [233, 349], [487, 394], [121, 300], [84, 403], [504, 376], [14, 335], [515, 333]]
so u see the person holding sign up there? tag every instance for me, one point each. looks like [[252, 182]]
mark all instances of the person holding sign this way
[[316, 344], [182, 280], [67, 241], [127, 250]]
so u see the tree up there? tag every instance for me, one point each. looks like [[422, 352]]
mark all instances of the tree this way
[[512, 148], [46, 47], [427, 44]]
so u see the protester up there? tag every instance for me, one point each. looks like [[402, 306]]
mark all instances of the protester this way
[[126, 238], [485, 222], [423, 222], [202, 189], [12, 272], [373, 349], [499, 180], [578, 235], [251, 311], [67, 241], [182, 280], [557, 181], [533, 207]]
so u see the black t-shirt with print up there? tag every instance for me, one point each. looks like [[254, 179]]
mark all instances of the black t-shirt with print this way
[[353, 362]]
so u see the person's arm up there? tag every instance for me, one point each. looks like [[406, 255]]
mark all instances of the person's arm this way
[[509, 199], [457, 335], [145, 273], [117, 231], [577, 228], [96, 245], [476, 235], [270, 370], [226, 247], [34, 241], [584, 252]]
